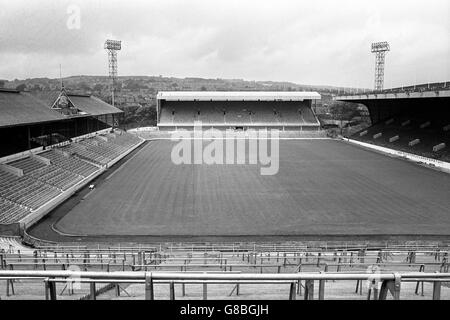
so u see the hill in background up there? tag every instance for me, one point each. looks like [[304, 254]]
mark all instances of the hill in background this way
[[136, 95]]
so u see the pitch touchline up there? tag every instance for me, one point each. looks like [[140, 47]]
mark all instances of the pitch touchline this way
[[121, 166]]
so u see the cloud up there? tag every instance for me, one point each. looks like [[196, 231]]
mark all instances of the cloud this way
[[311, 42]]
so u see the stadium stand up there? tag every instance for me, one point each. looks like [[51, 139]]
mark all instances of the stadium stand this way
[[57, 177], [436, 86], [11, 212], [237, 115], [27, 164], [237, 109], [67, 165], [102, 149], [25, 190], [408, 119], [415, 133]]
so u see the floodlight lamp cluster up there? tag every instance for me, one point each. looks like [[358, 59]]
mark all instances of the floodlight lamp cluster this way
[[380, 46], [113, 44]]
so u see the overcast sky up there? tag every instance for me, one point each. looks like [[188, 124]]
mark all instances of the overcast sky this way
[[307, 42]]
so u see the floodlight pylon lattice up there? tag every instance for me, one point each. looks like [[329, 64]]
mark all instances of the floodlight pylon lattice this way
[[112, 46], [380, 49]]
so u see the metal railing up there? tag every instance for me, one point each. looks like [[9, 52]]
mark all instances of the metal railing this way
[[390, 282]]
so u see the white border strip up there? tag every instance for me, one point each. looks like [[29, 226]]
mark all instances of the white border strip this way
[[444, 166]]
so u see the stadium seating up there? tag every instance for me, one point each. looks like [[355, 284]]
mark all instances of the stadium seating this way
[[210, 115], [415, 133], [68, 166], [27, 164], [256, 113], [237, 115], [25, 190], [11, 212], [101, 151], [166, 116], [68, 163], [57, 177]]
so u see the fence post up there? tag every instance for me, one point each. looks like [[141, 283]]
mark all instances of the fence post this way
[[205, 291], [149, 295], [375, 293], [50, 289], [391, 285], [9, 283], [357, 286], [397, 286], [292, 291], [421, 269], [322, 289], [92, 289], [46, 289], [309, 289], [437, 290], [172, 290]]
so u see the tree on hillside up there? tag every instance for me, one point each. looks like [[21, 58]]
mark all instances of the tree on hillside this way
[[98, 87], [84, 86], [21, 87], [344, 111], [146, 115]]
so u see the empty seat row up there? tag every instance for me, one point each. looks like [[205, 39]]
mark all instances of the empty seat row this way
[[69, 163], [41, 182], [414, 133], [26, 191], [10, 212], [238, 114], [56, 176], [27, 164]]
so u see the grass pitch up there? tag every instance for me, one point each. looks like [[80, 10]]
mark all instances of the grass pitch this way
[[323, 187]]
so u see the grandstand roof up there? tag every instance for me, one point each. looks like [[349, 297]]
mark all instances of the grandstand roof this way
[[21, 108], [93, 105], [17, 108], [237, 95], [396, 95], [86, 103]]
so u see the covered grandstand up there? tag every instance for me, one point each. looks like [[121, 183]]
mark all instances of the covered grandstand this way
[[51, 147], [38, 120], [412, 120], [237, 110]]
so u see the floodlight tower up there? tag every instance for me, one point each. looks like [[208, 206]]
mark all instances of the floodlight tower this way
[[113, 46], [380, 49]]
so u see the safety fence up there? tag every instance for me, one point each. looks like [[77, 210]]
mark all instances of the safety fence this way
[[381, 285]]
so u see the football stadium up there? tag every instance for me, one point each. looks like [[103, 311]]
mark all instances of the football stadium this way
[[247, 151], [364, 216]]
